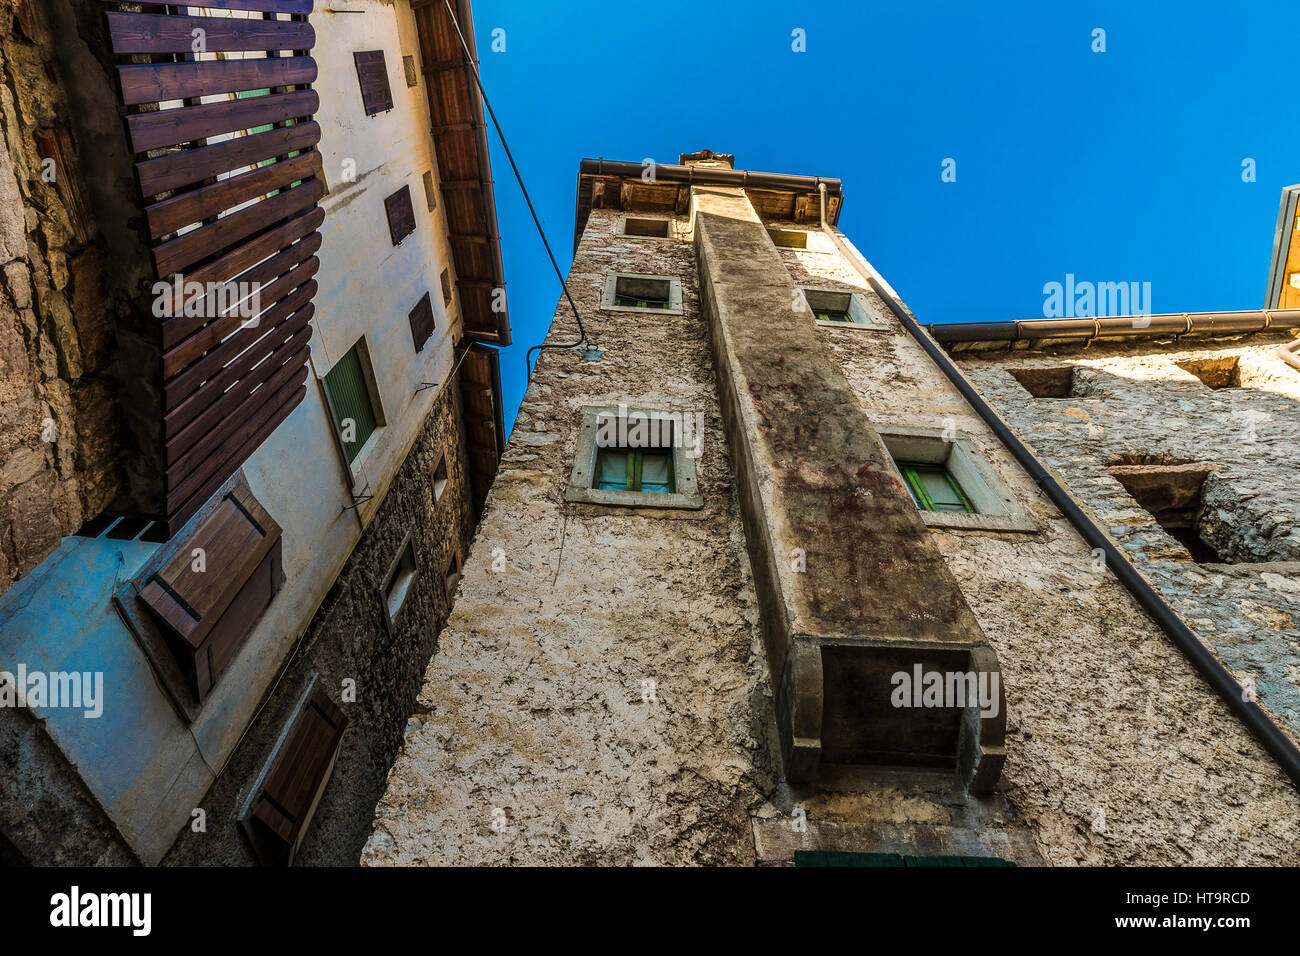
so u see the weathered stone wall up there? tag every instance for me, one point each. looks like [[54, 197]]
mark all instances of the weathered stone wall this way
[[1139, 404], [59, 424], [349, 638], [539, 737], [1117, 751]]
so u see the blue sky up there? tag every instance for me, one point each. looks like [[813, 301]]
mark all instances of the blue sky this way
[[1117, 166]]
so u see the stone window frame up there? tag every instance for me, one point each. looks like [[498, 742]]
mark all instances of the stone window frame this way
[[402, 589], [817, 241], [579, 490], [608, 294], [857, 305], [998, 508], [674, 230]]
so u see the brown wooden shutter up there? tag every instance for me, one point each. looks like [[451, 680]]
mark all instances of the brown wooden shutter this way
[[401, 214], [285, 798], [372, 71], [421, 318], [216, 585]]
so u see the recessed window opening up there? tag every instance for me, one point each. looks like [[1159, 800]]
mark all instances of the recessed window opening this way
[[648, 228], [934, 488], [1215, 373], [1171, 494], [452, 575], [440, 479], [789, 238], [400, 579], [1050, 381], [643, 293]]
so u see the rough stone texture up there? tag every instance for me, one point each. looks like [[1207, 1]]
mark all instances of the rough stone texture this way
[[534, 714], [349, 638], [533, 706], [1117, 751], [1143, 407], [59, 451]]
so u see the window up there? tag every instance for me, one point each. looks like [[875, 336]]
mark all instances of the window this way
[[206, 592], [446, 288], [372, 72], [1051, 381], [430, 194], [400, 578], [421, 319], [642, 293], [1216, 373], [789, 238], [951, 484], [648, 470], [638, 457], [439, 478], [284, 799], [401, 215], [840, 307], [408, 67], [452, 575], [1171, 492], [351, 401], [645, 228], [934, 488]]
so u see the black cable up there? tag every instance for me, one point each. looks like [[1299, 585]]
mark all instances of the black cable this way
[[518, 178]]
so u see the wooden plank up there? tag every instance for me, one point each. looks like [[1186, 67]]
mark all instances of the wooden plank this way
[[234, 264], [55, 144], [372, 72], [187, 509], [177, 389], [175, 213], [205, 460], [161, 33], [193, 165], [401, 214], [174, 330], [156, 82], [192, 348], [302, 7], [180, 253], [273, 372], [189, 123], [191, 419]]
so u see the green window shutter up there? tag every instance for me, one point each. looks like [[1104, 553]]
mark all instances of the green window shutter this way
[[349, 399], [935, 489]]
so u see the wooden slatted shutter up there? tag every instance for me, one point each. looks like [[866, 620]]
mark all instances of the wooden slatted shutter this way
[[421, 318], [286, 796], [209, 594], [349, 398], [401, 215], [372, 71], [230, 182]]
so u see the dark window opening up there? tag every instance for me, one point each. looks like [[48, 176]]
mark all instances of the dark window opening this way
[[832, 306], [1215, 373], [650, 228], [643, 293], [430, 194], [1171, 493], [452, 576], [408, 66], [400, 578], [1051, 381], [446, 288], [439, 478]]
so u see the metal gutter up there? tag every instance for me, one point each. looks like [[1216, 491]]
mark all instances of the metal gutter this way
[[1270, 736], [1117, 326]]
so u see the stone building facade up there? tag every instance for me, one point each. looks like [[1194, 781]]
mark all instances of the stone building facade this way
[[612, 688]]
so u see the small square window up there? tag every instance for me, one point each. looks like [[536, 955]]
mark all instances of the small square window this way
[[446, 288], [452, 575], [1051, 381], [1216, 373], [934, 488], [638, 457], [400, 578], [646, 228], [408, 66], [839, 307], [440, 479], [642, 293], [430, 194]]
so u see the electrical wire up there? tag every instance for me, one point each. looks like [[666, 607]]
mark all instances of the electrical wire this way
[[518, 178]]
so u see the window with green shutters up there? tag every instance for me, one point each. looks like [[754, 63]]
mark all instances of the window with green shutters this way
[[350, 404], [934, 488], [648, 470]]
